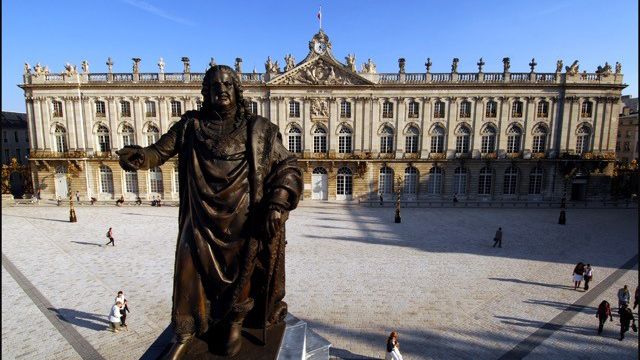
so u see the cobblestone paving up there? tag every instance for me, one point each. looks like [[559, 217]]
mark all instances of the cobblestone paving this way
[[352, 273]]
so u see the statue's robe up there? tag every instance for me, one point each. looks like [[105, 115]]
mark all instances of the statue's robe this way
[[227, 183]]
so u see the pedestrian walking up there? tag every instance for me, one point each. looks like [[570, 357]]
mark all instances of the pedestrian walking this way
[[497, 240], [393, 347], [138, 200], [623, 297], [604, 312], [626, 318], [636, 299], [124, 310], [78, 196], [381, 200], [110, 237], [114, 316], [578, 275], [588, 275], [39, 195]]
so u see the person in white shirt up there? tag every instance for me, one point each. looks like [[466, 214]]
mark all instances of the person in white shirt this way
[[123, 311], [114, 316]]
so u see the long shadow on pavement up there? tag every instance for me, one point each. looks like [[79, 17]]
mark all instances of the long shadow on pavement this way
[[518, 281], [37, 218], [80, 318], [86, 243]]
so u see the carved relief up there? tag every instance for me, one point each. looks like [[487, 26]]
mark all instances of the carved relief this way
[[319, 108], [321, 73]]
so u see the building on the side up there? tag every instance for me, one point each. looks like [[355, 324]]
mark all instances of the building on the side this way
[[358, 133], [15, 137], [628, 142]]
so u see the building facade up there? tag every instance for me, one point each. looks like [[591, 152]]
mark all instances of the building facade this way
[[358, 133], [628, 142], [15, 137]]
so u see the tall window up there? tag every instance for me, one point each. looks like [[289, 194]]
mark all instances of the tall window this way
[[100, 109], [386, 140], [254, 107], [385, 185], [414, 109], [103, 138], [437, 139], [535, 181], [61, 138], [344, 140], [155, 180], [131, 181], [516, 109], [150, 108], [295, 139], [411, 140], [294, 109], [510, 181], [484, 181], [410, 181], [488, 140], [176, 108], [319, 140], [582, 141], [127, 135], [387, 110], [539, 139], [543, 109], [460, 180], [198, 105], [176, 179], [344, 181], [106, 180], [345, 109], [438, 110], [125, 109], [434, 181], [462, 139], [514, 136], [465, 109], [492, 109], [57, 109], [587, 108], [153, 134]]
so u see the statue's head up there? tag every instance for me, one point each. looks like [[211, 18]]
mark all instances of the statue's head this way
[[222, 91]]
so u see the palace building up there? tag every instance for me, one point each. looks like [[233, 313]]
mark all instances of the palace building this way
[[358, 133]]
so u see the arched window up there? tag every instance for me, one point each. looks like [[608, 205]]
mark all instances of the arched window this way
[[514, 135], [535, 181], [153, 134], [155, 180], [539, 139], [516, 109], [543, 109], [61, 138], [386, 140], [320, 140], [587, 109], [462, 139], [127, 135], [491, 109], [460, 181], [437, 139], [484, 181], [488, 140], [176, 179], [510, 181], [434, 181], [295, 139], [106, 180], [410, 181], [131, 182], [385, 186], [411, 140], [104, 143], [344, 140], [344, 184], [582, 141]]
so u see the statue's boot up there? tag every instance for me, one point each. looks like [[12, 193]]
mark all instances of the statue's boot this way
[[179, 348], [238, 313]]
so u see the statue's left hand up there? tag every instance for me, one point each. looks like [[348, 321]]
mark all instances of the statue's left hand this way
[[274, 222]]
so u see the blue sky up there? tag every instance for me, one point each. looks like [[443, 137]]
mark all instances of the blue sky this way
[[56, 32]]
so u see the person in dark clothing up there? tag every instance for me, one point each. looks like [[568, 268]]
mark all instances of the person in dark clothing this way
[[604, 312], [455, 198], [578, 275], [626, 318], [636, 301], [110, 236], [588, 275], [497, 240], [138, 200], [381, 200]]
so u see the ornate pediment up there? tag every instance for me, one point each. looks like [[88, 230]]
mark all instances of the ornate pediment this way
[[322, 70]]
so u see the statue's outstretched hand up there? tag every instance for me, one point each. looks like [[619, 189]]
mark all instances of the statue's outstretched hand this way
[[131, 157]]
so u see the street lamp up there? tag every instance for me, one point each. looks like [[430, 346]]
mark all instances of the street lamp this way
[[398, 219], [71, 171]]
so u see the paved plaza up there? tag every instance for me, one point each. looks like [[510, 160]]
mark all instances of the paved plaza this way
[[352, 274]]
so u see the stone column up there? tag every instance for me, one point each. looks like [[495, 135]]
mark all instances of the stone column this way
[[138, 122], [114, 118], [399, 125], [570, 111], [476, 125], [69, 121], [46, 123], [450, 127], [280, 113], [332, 140], [368, 119], [307, 125], [88, 117], [503, 122], [32, 125], [529, 121], [612, 117], [79, 124], [374, 144], [164, 113], [36, 116], [555, 122], [427, 122]]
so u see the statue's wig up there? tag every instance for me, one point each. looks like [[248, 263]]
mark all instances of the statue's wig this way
[[242, 106]]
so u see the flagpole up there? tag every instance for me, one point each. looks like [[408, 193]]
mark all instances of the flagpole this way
[[320, 17]]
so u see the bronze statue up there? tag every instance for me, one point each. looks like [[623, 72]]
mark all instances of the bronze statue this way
[[238, 184]]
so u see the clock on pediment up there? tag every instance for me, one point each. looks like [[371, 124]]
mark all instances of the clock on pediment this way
[[320, 43]]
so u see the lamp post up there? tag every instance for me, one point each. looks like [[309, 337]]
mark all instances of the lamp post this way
[[398, 219], [71, 171]]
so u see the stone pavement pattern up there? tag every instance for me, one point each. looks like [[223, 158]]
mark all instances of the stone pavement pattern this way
[[352, 274]]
